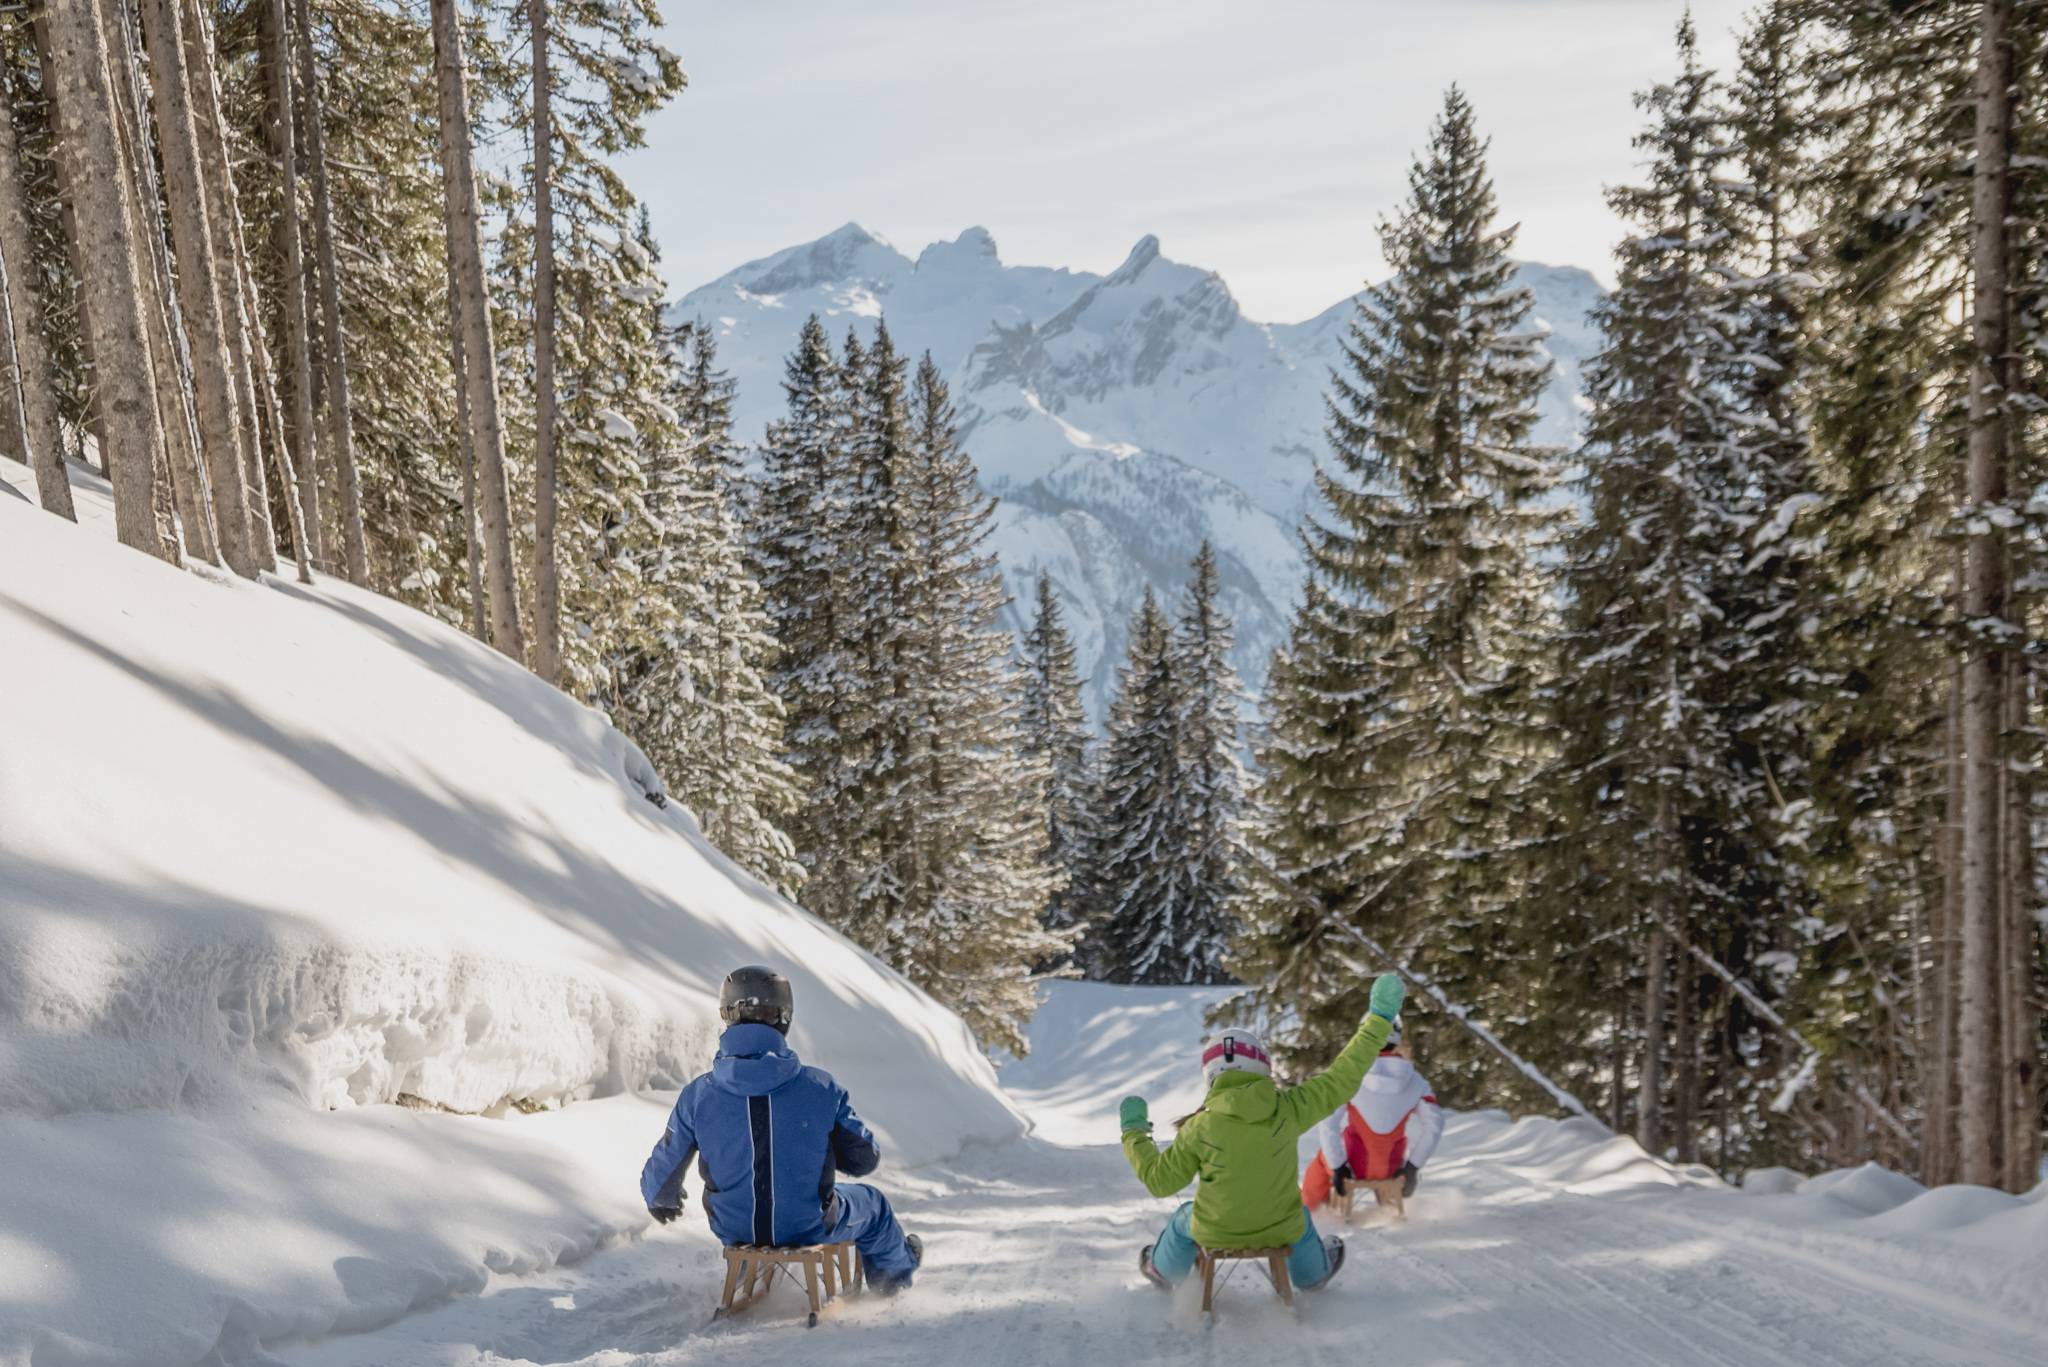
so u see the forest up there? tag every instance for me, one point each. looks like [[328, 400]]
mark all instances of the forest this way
[[1725, 720]]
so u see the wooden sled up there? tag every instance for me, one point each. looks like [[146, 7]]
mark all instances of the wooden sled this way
[[1275, 1259], [750, 1269], [1387, 1193]]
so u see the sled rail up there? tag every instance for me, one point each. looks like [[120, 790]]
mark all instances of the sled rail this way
[[829, 1270], [1385, 1192]]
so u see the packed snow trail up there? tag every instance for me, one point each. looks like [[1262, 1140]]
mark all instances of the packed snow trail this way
[[1531, 1243]]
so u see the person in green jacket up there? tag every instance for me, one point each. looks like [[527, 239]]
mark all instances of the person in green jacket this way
[[1242, 1146]]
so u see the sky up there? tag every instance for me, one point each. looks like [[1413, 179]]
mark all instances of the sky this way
[[1262, 139]]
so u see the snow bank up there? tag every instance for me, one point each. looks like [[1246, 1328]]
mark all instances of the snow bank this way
[[269, 851]]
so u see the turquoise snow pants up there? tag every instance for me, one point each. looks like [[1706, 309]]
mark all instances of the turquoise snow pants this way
[[1173, 1257]]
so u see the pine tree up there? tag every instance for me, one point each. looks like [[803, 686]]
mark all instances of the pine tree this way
[[1056, 734], [1137, 875], [800, 518], [718, 724], [1420, 650], [968, 928], [1213, 781]]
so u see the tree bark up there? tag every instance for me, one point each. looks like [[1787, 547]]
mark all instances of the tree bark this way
[[303, 436], [1686, 1065], [1938, 1076], [1984, 605], [200, 270], [2022, 1141], [237, 300], [547, 584], [465, 253], [104, 252], [340, 435], [466, 457], [188, 479], [42, 433], [1650, 1083]]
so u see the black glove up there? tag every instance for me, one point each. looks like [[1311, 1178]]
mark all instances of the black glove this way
[[1340, 1180], [663, 1214], [1408, 1175]]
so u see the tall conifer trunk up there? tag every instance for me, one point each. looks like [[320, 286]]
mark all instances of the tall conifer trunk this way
[[303, 434], [547, 584], [340, 434], [466, 261], [200, 269], [42, 433], [104, 253], [188, 479], [1984, 606]]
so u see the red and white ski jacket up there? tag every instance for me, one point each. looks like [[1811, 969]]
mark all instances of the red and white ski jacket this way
[[1393, 1119]]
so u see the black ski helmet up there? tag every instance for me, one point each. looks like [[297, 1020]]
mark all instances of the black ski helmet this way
[[758, 995]]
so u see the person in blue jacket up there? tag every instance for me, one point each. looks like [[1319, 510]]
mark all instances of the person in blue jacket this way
[[769, 1135]]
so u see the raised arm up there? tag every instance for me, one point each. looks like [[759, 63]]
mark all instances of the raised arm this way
[[1301, 1107]]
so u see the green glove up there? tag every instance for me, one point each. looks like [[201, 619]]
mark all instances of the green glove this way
[[1133, 1114], [1387, 994]]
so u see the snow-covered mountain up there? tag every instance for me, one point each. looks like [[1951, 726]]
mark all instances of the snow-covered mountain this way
[[1121, 418]]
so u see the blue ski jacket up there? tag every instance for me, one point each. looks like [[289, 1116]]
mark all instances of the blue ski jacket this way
[[767, 1134]]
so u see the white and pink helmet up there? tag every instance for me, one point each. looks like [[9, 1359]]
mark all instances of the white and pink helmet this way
[[1235, 1049]]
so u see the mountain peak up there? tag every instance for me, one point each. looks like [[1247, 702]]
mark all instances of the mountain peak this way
[[975, 247], [1143, 254]]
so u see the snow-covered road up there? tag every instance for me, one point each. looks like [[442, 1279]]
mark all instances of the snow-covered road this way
[[1531, 1243]]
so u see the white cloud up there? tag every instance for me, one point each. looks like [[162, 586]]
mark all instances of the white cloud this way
[[1262, 140]]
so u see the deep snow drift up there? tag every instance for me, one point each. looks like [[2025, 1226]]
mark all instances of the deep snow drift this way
[[272, 857]]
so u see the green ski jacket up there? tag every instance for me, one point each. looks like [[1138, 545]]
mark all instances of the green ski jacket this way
[[1242, 1145]]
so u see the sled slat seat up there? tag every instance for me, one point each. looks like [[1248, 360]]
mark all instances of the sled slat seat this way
[[1275, 1259], [829, 1270]]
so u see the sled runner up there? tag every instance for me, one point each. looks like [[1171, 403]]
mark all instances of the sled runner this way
[[828, 1270], [1207, 1259]]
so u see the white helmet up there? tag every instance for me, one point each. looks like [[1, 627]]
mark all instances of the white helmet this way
[[1235, 1049]]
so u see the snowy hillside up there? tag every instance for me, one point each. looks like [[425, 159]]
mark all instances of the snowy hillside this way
[[273, 858], [1120, 418]]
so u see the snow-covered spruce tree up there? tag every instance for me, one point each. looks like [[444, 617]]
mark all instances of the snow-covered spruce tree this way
[[725, 760], [1056, 733], [800, 518], [1138, 873], [1668, 633], [969, 927], [1212, 778], [1421, 647], [875, 834]]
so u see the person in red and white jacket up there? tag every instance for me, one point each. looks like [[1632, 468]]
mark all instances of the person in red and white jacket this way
[[1388, 1130]]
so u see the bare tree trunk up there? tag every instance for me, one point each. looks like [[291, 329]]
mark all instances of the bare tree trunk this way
[[472, 545], [104, 251], [13, 420], [1938, 1075], [1686, 1083], [2022, 1141], [340, 435], [465, 252], [189, 480], [1984, 605], [200, 270], [292, 267], [547, 584], [42, 434], [1650, 1082], [237, 299]]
